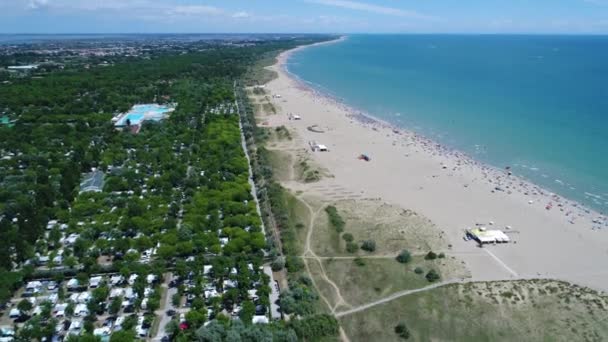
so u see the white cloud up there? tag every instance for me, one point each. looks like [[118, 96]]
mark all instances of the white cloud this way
[[241, 15], [361, 6], [37, 4], [195, 10]]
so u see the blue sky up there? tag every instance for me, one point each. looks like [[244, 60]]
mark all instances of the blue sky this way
[[336, 16]]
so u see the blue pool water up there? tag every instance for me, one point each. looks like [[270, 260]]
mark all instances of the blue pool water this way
[[536, 103], [140, 113]]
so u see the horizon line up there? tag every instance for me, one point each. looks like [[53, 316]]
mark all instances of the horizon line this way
[[315, 33]]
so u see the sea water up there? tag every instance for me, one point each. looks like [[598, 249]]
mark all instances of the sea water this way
[[538, 104]]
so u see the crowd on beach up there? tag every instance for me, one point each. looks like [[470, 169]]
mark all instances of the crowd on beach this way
[[499, 180]]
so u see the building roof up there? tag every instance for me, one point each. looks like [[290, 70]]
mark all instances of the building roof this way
[[259, 320], [92, 181], [489, 236]]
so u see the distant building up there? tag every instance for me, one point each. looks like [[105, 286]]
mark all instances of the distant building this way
[[23, 67]]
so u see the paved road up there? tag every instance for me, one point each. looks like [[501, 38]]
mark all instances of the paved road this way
[[274, 294], [167, 305]]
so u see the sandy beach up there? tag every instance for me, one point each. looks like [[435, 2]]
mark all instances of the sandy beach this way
[[552, 237]]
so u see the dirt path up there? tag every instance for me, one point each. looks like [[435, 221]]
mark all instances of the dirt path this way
[[309, 255], [309, 252], [398, 295]]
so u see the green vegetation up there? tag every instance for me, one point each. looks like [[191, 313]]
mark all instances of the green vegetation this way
[[432, 276], [368, 245], [404, 257], [364, 280], [478, 312], [177, 190], [430, 256], [402, 331], [352, 247], [348, 237], [335, 219]]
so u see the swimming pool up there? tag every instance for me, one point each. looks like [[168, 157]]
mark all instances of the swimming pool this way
[[143, 112]]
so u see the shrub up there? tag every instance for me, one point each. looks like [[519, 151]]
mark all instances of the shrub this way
[[404, 257], [348, 237], [294, 264], [352, 247], [430, 256], [432, 276], [335, 219], [402, 330], [368, 245], [176, 300], [359, 261], [315, 328], [278, 264], [441, 255], [418, 270]]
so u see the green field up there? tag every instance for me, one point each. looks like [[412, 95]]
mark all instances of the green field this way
[[379, 278], [498, 311]]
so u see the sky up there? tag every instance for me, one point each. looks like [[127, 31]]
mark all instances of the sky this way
[[304, 16]]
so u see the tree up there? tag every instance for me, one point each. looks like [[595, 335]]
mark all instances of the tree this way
[[368, 245], [247, 312], [432, 276], [196, 318], [430, 256], [402, 330], [278, 264], [352, 247], [348, 237], [46, 308], [115, 305], [70, 262], [24, 306], [176, 299], [314, 328], [69, 310], [404, 257], [122, 336], [213, 332]]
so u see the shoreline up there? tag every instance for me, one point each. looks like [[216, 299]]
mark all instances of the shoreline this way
[[365, 118], [447, 186]]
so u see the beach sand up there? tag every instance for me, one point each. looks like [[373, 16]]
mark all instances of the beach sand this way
[[551, 236]]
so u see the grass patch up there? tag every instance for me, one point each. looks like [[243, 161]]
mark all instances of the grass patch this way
[[392, 228], [300, 216], [280, 162], [325, 288], [451, 313], [269, 108], [378, 278]]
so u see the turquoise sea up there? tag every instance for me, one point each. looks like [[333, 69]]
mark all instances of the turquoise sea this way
[[536, 103]]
